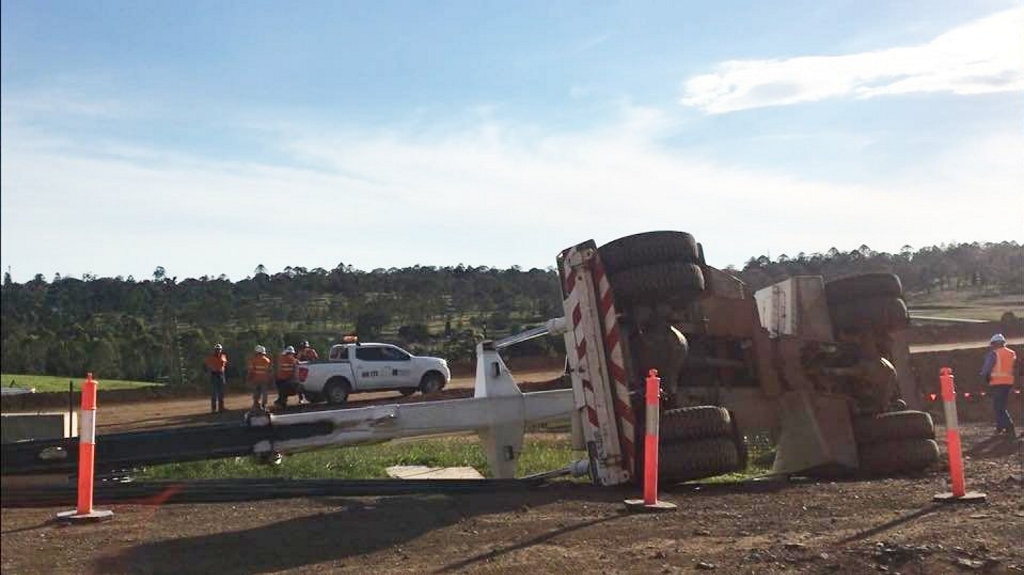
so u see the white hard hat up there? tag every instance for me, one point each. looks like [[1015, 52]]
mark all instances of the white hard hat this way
[[261, 349], [289, 349], [997, 338]]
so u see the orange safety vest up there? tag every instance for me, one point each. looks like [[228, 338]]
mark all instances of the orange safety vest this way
[[216, 362], [285, 366], [259, 370], [308, 354], [1002, 371]]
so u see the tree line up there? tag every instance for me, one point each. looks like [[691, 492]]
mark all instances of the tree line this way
[[159, 328], [997, 267]]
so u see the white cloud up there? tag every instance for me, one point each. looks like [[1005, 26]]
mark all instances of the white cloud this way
[[493, 194], [981, 57]]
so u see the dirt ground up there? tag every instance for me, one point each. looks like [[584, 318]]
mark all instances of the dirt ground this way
[[888, 525], [121, 417]]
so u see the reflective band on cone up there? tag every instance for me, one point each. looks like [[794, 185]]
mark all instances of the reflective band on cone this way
[[86, 459], [953, 447], [653, 420]]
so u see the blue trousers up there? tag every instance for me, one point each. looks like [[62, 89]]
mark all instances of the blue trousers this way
[[1000, 398], [216, 392]]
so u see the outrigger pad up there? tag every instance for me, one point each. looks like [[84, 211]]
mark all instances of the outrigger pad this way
[[817, 433]]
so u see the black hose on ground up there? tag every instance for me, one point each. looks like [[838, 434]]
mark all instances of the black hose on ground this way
[[229, 490]]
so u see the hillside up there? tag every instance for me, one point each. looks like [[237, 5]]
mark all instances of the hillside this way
[[159, 328]]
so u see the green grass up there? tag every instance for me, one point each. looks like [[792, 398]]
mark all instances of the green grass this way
[[370, 461], [43, 383], [968, 303], [760, 456], [539, 454]]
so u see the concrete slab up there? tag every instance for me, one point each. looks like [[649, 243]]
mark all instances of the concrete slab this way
[[424, 472], [22, 426]]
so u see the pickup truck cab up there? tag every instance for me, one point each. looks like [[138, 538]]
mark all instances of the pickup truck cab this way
[[360, 367]]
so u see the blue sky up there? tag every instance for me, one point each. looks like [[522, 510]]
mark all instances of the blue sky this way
[[210, 137]]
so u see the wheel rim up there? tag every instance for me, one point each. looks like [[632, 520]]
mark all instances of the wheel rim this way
[[337, 394], [431, 385]]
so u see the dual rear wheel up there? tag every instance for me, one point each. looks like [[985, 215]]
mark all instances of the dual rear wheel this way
[[650, 274], [867, 303], [697, 442], [896, 442]]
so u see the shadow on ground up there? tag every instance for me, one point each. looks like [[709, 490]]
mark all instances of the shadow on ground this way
[[996, 447], [346, 528]]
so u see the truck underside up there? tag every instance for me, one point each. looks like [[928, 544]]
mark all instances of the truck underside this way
[[808, 365]]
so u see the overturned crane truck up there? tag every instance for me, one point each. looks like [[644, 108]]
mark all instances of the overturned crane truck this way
[[809, 364]]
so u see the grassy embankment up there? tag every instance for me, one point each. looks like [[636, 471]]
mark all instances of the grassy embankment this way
[[43, 383], [965, 304]]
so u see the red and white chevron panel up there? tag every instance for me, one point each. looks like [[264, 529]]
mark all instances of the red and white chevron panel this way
[[572, 304], [616, 364], [599, 359]]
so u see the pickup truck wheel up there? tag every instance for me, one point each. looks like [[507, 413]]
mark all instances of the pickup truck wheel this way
[[336, 392], [431, 383], [648, 248]]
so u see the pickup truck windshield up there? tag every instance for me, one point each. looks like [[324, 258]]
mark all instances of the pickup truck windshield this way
[[394, 354], [381, 354]]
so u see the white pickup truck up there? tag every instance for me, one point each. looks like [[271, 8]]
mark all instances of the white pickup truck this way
[[359, 367]]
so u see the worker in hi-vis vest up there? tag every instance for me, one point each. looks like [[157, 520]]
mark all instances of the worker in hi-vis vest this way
[[215, 364], [307, 353], [285, 370], [998, 371], [258, 377]]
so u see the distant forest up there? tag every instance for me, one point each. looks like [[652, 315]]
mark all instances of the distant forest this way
[[158, 329]]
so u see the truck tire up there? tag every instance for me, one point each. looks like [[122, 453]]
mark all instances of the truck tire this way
[[702, 422], [336, 391], [685, 460], [648, 248], [661, 347], [893, 426], [895, 457], [432, 382], [672, 283], [863, 286], [879, 313]]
